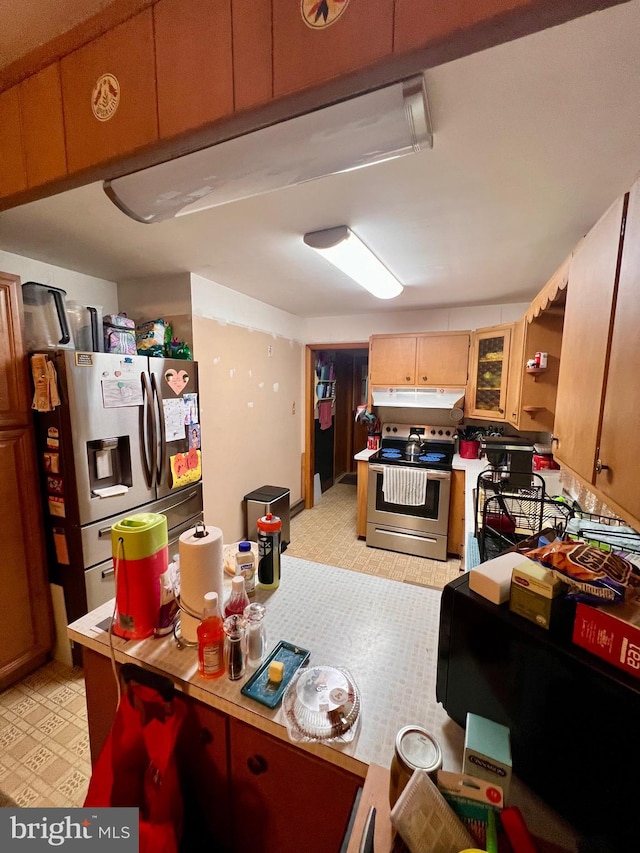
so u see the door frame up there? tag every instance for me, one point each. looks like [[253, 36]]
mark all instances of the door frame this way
[[309, 394]]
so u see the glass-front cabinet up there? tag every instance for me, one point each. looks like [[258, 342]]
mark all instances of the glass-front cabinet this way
[[489, 373]]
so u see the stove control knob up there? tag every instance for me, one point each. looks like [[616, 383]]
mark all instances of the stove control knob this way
[[433, 432], [439, 432], [395, 429]]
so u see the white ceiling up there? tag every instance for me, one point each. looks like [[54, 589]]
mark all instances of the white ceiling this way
[[532, 142]]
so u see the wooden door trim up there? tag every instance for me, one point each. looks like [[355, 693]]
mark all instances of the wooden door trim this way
[[309, 426]]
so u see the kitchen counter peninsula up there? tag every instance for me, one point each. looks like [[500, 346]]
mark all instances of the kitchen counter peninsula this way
[[384, 632]]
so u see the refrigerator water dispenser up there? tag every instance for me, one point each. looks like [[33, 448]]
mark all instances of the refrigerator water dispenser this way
[[109, 462]]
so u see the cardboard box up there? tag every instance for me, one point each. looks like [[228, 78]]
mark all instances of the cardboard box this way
[[492, 579], [487, 752], [536, 578], [612, 632], [532, 606]]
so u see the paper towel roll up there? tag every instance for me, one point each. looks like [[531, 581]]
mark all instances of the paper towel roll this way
[[201, 571]]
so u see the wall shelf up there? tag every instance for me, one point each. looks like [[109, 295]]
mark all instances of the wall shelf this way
[[535, 371]]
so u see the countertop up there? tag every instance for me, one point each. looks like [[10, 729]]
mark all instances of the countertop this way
[[384, 632]]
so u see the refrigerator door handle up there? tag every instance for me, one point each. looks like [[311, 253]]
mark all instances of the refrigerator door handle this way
[[147, 431], [178, 503], [162, 444], [104, 531], [106, 573]]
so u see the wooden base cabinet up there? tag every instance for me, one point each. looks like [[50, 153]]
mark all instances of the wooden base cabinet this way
[[286, 801], [363, 486], [455, 533], [243, 789]]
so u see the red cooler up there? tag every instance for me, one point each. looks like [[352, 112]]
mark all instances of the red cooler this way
[[140, 548]]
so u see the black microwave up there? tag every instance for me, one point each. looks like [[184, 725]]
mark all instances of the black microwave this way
[[574, 719]]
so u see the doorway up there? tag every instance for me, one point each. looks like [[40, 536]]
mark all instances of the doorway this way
[[336, 384]]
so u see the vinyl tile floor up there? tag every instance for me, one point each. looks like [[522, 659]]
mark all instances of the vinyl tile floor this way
[[44, 743]]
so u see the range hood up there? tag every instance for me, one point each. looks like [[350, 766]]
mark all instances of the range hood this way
[[370, 128], [449, 399]]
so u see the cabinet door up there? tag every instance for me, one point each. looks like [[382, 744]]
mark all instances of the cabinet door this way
[[41, 107], [620, 440], [392, 360], [442, 359], [252, 57], [13, 174], [115, 76], [455, 533], [489, 373], [193, 61], [585, 340], [26, 627], [309, 49], [286, 800], [516, 372], [14, 380]]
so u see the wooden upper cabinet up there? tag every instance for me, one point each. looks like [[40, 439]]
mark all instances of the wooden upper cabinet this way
[[442, 359], [588, 311], [13, 173], [43, 126], [307, 51], [392, 360], [194, 63], [619, 448], [489, 373], [14, 397], [252, 57], [127, 112]]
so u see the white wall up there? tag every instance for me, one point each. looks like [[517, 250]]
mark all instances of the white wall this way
[[83, 288], [359, 327]]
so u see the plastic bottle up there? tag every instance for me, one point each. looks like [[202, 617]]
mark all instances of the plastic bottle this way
[[211, 639], [238, 600], [246, 566], [269, 527], [234, 643]]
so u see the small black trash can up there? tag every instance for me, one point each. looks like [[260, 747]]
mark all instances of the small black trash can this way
[[273, 499]]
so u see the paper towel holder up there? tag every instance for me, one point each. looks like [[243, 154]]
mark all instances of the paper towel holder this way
[[200, 530]]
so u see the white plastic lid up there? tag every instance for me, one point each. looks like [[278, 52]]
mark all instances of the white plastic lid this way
[[210, 607], [237, 584]]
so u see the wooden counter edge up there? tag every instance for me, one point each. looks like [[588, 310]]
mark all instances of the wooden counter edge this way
[[374, 793]]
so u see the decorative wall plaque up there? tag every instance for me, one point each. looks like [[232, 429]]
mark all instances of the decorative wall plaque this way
[[319, 14], [105, 97]]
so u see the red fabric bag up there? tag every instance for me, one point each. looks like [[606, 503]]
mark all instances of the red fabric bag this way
[[137, 765]]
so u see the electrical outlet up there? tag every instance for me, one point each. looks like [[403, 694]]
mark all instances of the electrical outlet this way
[[293, 408], [269, 351]]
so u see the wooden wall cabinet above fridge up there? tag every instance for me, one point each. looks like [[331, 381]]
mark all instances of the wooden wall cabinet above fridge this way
[[596, 428], [489, 373], [434, 359]]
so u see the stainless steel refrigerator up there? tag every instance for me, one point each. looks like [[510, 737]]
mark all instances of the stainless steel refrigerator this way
[[125, 439]]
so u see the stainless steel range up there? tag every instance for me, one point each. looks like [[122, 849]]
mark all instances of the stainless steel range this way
[[409, 489]]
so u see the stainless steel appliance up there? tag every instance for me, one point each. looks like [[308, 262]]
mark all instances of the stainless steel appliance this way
[[120, 442], [511, 457], [411, 529]]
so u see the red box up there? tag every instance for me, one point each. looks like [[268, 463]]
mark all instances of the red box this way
[[612, 632]]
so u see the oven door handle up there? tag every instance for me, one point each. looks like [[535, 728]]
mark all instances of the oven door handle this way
[[432, 475]]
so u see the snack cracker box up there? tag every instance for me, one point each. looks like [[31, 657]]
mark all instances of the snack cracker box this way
[[612, 632]]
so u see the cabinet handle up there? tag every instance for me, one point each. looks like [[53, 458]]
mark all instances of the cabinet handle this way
[[501, 411], [407, 378], [600, 467], [257, 765], [424, 378]]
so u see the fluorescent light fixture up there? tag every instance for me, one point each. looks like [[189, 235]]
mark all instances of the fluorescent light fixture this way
[[370, 128], [346, 251]]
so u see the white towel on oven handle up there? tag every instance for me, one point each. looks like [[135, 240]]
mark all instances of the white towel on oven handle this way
[[406, 486]]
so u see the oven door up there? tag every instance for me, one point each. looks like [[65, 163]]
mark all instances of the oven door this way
[[418, 530]]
